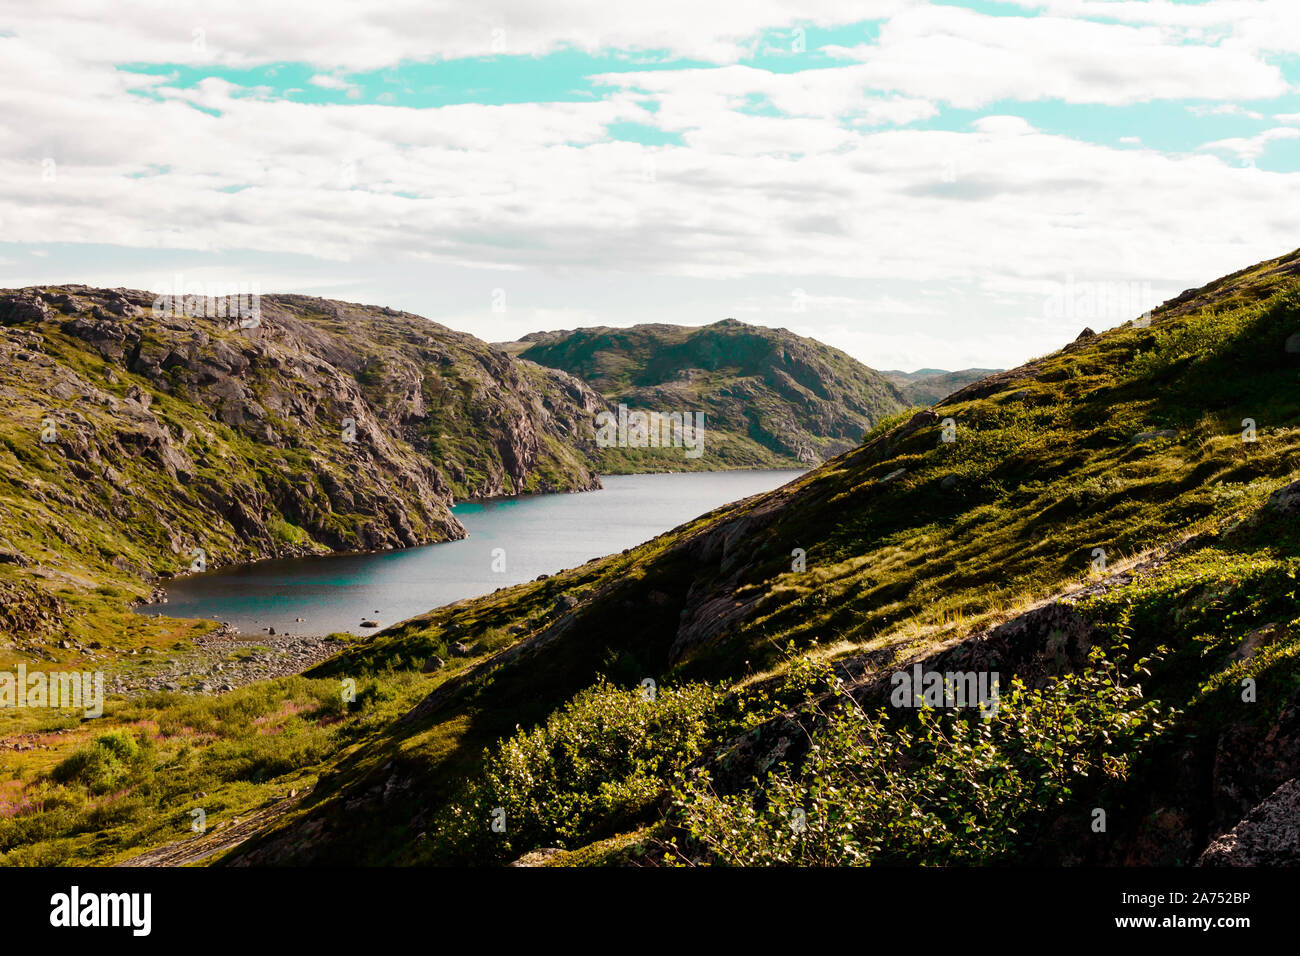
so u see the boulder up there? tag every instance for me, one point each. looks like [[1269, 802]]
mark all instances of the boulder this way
[[1286, 500], [1268, 836], [22, 308], [1141, 437]]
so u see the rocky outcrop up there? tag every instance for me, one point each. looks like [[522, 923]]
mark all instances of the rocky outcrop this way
[[28, 612], [1286, 500], [147, 428], [1268, 836]]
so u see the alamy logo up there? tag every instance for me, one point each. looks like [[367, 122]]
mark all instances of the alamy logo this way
[[62, 690], [1083, 300], [651, 430], [74, 909], [922, 688], [222, 300]]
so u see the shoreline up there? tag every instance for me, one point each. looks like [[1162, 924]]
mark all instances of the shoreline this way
[[249, 627]]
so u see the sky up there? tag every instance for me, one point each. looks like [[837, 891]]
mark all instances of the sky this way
[[922, 184]]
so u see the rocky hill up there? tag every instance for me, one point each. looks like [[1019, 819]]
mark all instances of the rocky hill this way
[[138, 431], [1133, 496], [770, 398], [1112, 530], [928, 385]]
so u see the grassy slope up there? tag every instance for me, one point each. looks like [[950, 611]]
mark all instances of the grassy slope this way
[[1051, 461], [770, 398]]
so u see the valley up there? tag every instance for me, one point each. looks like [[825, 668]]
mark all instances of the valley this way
[[1114, 530]]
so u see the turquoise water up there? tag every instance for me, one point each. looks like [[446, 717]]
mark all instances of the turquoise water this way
[[540, 534]]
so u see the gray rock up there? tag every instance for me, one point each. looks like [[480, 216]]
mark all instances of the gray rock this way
[[1268, 836], [537, 857], [22, 308], [1141, 437], [1286, 500]]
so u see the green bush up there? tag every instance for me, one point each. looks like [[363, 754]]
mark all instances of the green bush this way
[[948, 788], [597, 763], [105, 764]]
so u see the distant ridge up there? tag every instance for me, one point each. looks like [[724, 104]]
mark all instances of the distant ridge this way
[[926, 386], [770, 398]]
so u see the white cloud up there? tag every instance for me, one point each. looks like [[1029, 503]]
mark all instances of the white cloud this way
[[968, 60], [1255, 25], [1225, 109], [363, 35], [327, 82], [1248, 148], [805, 180]]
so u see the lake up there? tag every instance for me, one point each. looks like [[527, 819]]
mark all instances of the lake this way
[[540, 534]]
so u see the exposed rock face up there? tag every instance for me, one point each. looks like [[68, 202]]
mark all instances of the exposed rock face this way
[[144, 428], [27, 611], [1268, 836]]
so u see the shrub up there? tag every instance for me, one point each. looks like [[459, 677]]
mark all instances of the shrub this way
[[596, 763], [104, 764], [950, 788]]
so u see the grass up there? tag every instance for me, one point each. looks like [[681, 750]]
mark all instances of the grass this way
[[114, 787]]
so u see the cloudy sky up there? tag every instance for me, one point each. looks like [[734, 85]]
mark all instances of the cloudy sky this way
[[942, 184]]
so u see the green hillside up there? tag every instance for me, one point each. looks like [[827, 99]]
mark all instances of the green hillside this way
[[980, 549], [1114, 529], [770, 398]]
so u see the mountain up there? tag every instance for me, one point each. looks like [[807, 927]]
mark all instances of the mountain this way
[[928, 385], [1112, 531], [1115, 526], [770, 398], [139, 430]]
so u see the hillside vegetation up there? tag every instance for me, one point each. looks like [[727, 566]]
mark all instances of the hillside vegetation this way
[[770, 398]]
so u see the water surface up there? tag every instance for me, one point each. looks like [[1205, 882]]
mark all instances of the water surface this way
[[541, 534]]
